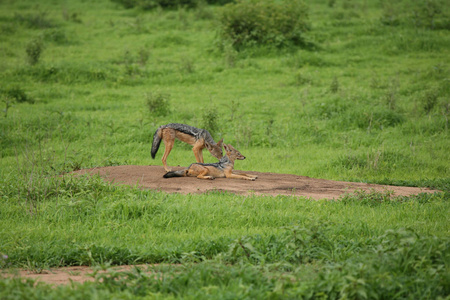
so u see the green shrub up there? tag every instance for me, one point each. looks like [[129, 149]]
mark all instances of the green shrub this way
[[17, 94], [158, 104], [152, 4], [210, 119], [34, 51], [250, 22]]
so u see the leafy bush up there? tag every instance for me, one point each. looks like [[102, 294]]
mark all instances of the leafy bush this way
[[18, 94], [250, 22]]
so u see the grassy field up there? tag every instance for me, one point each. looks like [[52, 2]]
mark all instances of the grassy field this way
[[364, 97]]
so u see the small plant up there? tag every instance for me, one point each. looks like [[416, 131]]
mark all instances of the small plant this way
[[390, 98], [210, 119], [230, 54], [34, 50], [158, 104], [334, 87], [429, 100], [14, 95], [18, 94], [301, 79], [144, 55], [186, 66]]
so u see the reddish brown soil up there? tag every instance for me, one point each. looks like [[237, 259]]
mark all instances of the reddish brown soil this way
[[272, 184], [151, 177]]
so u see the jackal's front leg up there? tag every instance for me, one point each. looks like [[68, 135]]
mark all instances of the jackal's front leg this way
[[248, 175], [198, 153], [239, 176]]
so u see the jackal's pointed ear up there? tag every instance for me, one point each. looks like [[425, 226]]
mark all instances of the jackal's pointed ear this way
[[220, 143], [227, 147]]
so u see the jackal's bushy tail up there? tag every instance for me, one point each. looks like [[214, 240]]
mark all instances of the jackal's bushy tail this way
[[181, 173], [156, 142]]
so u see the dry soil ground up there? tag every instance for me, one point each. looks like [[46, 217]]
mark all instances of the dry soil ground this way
[[272, 184]]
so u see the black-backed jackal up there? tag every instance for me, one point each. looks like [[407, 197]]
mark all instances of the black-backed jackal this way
[[223, 168], [196, 137]]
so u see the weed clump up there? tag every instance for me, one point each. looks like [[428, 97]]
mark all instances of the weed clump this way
[[249, 22], [34, 50], [210, 120], [158, 104]]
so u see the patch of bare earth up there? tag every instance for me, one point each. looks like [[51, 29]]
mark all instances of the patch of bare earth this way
[[64, 275], [272, 184]]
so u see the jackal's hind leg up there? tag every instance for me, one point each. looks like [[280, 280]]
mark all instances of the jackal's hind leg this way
[[168, 145], [202, 173]]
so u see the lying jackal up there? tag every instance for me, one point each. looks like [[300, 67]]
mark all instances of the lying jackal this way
[[196, 137], [223, 168]]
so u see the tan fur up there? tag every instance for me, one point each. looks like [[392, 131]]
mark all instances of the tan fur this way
[[222, 169], [168, 136]]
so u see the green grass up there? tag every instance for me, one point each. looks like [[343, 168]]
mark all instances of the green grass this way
[[366, 101]]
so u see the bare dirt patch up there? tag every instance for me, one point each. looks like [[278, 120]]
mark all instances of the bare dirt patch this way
[[64, 275], [272, 184]]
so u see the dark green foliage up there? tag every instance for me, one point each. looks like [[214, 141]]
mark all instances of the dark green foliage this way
[[34, 50], [170, 4], [429, 14], [38, 20], [57, 36], [248, 23], [17, 94], [429, 100], [152, 4], [210, 120]]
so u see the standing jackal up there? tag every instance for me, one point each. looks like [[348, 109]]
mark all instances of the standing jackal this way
[[196, 137], [223, 168]]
